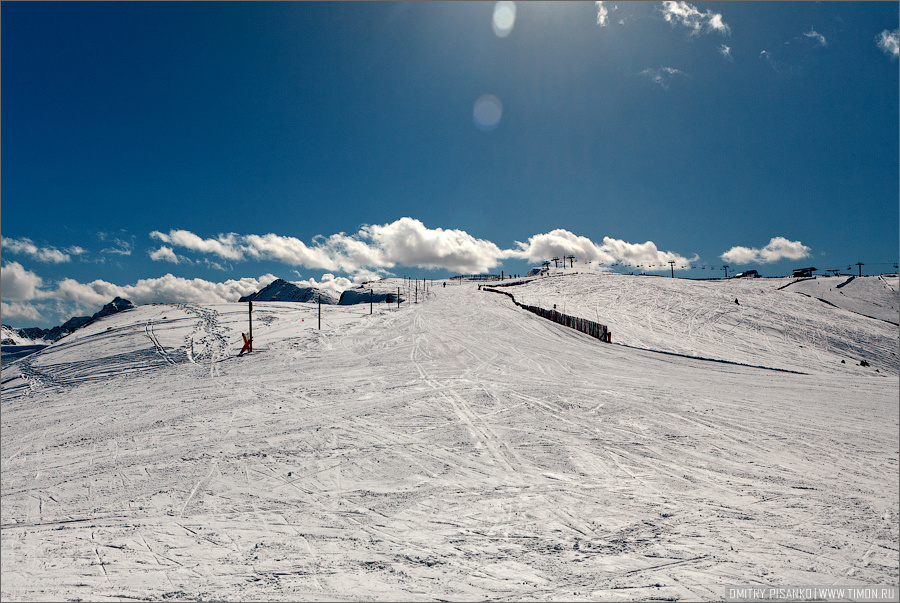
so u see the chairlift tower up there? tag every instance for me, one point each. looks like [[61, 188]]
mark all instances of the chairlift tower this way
[[555, 262], [571, 259], [725, 268]]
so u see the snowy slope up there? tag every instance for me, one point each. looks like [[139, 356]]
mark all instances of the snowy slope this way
[[873, 296], [458, 448], [768, 326]]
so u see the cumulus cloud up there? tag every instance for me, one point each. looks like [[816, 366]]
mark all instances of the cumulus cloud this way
[[725, 51], [779, 248], [42, 254], [889, 42], [166, 288], [689, 16], [662, 76], [812, 33], [336, 284], [225, 246], [406, 241], [602, 14], [164, 254], [375, 249], [19, 284], [560, 243], [291, 250], [20, 311]]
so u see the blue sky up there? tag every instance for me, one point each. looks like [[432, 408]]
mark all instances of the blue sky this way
[[195, 151]]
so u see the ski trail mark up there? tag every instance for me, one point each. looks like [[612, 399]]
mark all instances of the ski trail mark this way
[[196, 487], [148, 329]]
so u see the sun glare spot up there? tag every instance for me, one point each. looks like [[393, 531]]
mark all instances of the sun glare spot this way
[[504, 18], [487, 113]]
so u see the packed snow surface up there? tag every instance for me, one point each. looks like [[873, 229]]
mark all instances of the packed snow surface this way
[[807, 325], [458, 448]]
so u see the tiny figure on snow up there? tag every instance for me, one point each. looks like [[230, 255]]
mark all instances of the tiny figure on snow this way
[[736, 301]]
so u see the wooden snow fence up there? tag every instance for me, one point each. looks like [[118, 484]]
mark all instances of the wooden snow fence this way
[[589, 327]]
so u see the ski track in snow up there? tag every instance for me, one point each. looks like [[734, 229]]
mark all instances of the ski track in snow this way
[[459, 448]]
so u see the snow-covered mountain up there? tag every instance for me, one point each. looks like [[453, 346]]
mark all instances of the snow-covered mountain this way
[[284, 291], [377, 294], [458, 448], [12, 336], [38, 336]]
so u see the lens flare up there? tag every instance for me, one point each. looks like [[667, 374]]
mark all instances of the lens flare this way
[[487, 113], [504, 18]]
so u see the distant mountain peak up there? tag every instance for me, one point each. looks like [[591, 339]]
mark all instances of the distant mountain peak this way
[[282, 290], [29, 335]]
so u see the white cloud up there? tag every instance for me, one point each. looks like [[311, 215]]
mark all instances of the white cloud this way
[[889, 42], [779, 248], [362, 276], [20, 311], [725, 51], [209, 264], [336, 284], [406, 241], [165, 289], [816, 36], [164, 254], [602, 14], [224, 246], [374, 249], [289, 250], [19, 284], [41, 254], [122, 247], [663, 75], [410, 243], [560, 243], [690, 16]]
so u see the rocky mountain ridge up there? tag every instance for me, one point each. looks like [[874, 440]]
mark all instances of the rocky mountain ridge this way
[[36, 335], [282, 290]]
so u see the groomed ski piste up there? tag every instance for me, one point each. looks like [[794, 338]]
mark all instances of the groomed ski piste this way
[[461, 448]]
